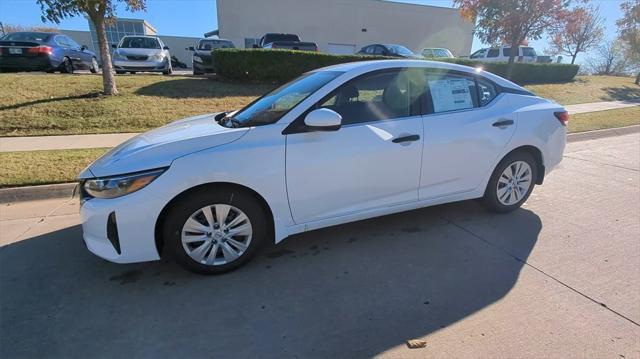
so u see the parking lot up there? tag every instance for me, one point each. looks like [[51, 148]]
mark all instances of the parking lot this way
[[559, 277]]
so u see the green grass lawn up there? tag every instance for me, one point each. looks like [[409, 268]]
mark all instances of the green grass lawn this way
[[604, 119], [43, 167], [586, 89], [48, 104], [40, 167], [54, 104]]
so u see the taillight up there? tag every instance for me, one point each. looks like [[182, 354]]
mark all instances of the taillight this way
[[40, 50], [563, 117]]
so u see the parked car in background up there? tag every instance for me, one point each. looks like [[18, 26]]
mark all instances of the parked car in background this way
[[141, 54], [436, 52], [285, 41], [44, 51], [176, 63], [336, 145], [392, 50], [501, 54], [202, 60]]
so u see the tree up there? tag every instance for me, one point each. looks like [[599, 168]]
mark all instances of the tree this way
[[629, 31], [8, 28], [511, 21], [99, 12], [577, 30], [609, 59]]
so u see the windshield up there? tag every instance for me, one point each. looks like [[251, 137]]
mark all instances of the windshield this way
[[140, 43], [27, 37], [272, 106], [214, 44], [269, 38], [400, 50]]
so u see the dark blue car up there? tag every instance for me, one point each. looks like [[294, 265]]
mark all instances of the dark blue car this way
[[44, 51]]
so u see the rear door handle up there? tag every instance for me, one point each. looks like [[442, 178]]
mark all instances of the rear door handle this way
[[503, 123], [409, 138]]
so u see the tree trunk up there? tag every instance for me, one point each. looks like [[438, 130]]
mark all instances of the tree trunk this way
[[573, 58], [511, 63], [638, 79], [108, 78]]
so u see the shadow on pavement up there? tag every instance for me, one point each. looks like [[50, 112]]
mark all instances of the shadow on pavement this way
[[626, 93], [354, 290], [200, 87]]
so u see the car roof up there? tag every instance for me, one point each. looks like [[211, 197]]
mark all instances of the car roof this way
[[362, 67], [147, 36]]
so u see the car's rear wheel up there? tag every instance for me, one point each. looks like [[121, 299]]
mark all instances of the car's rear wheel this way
[[215, 232], [511, 182], [120, 72], [132, 72], [67, 66], [94, 65]]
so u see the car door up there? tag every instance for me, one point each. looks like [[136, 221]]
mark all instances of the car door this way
[[466, 127], [81, 59], [372, 161]]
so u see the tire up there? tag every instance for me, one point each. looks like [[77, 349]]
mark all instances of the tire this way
[[168, 70], [132, 72], [202, 260], [94, 66], [120, 72], [505, 192], [67, 66]]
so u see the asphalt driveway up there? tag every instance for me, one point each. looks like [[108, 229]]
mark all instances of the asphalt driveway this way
[[558, 278]]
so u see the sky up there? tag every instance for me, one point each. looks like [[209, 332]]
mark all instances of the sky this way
[[195, 17]]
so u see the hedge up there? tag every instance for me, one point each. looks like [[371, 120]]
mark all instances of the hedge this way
[[257, 65]]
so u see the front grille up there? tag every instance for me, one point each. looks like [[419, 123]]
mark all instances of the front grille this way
[[137, 58]]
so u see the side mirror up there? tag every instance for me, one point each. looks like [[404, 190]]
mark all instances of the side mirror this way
[[191, 48], [83, 47], [323, 119], [166, 48], [114, 46], [255, 46]]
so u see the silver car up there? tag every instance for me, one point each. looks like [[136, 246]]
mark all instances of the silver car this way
[[141, 54]]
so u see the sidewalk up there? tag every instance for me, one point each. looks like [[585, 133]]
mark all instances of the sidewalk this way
[[600, 106], [37, 143]]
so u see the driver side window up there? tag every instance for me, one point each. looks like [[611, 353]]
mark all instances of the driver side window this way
[[375, 97]]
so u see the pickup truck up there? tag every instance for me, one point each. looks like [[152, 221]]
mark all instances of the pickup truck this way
[[285, 41]]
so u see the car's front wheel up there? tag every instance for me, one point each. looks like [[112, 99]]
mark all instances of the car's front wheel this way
[[215, 232], [94, 65], [511, 182]]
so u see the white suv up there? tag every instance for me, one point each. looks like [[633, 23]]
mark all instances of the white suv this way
[[501, 54]]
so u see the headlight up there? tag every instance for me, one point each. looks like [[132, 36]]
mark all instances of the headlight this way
[[158, 56], [118, 56], [117, 186], [197, 58]]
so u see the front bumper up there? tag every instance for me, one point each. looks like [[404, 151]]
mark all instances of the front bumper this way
[[134, 218], [142, 66], [205, 66]]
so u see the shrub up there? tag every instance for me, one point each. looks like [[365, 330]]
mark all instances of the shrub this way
[[258, 65]]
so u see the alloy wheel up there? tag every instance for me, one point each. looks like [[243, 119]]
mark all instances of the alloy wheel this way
[[514, 183], [216, 234]]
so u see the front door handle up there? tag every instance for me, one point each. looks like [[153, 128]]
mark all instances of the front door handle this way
[[409, 138], [503, 123]]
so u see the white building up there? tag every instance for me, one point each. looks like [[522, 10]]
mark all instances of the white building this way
[[345, 26]]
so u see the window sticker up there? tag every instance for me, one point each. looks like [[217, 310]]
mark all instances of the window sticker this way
[[450, 95]]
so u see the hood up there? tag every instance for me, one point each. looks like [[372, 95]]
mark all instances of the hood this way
[[158, 148], [203, 53], [138, 52]]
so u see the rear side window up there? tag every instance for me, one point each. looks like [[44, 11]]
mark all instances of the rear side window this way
[[486, 92], [451, 92], [507, 52], [493, 53], [528, 51]]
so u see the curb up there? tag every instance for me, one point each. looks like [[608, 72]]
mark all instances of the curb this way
[[62, 190], [34, 193], [609, 132]]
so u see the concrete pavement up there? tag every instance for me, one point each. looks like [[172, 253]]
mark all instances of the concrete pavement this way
[[35, 143], [600, 106], [558, 278]]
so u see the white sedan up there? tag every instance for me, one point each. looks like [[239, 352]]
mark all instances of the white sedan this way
[[336, 145]]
